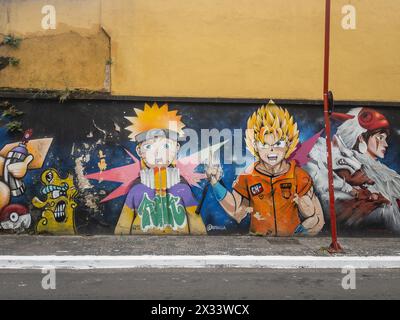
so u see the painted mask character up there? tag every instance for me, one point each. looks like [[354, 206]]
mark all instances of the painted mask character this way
[[277, 193], [160, 200], [58, 216], [15, 217], [367, 191]]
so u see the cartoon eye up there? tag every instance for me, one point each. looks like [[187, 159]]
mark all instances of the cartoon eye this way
[[381, 138], [167, 146], [14, 217], [49, 177], [263, 146], [147, 147], [280, 144]]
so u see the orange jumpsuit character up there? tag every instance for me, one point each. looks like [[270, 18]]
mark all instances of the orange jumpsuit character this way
[[277, 193]]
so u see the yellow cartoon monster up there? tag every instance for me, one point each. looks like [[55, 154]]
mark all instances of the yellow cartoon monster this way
[[58, 216]]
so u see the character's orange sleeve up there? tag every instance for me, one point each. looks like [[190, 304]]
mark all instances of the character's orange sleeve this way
[[240, 186], [304, 182]]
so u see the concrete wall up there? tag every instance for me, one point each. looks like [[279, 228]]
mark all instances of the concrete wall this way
[[210, 48], [84, 170]]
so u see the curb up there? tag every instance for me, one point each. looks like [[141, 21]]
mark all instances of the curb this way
[[132, 262]]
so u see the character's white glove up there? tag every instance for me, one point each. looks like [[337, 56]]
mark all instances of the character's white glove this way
[[18, 170]]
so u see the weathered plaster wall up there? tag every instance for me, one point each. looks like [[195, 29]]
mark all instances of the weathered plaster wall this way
[[77, 61], [210, 48], [74, 55]]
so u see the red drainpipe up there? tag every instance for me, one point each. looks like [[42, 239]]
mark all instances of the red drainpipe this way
[[335, 246]]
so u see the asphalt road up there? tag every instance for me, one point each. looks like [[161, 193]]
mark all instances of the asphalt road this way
[[170, 284]]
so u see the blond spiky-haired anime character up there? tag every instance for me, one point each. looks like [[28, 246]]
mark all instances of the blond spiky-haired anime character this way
[[160, 200], [277, 193]]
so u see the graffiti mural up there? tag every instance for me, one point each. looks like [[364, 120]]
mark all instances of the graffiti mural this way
[[160, 199], [367, 191], [127, 168], [15, 217], [277, 193], [58, 215], [15, 161]]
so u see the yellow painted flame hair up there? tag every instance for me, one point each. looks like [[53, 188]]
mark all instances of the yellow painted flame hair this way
[[271, 119], [154, 117]]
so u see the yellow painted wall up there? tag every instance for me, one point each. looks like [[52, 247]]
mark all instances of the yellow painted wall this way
[[210, 48], [366, 61], [72, 56]]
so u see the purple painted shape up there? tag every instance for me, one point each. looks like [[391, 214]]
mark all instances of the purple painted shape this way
[[135, 195], [181, 190], [21, 149]]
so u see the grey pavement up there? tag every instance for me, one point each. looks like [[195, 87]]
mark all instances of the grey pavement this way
[[181, 245], [203, 284], [183, 284]]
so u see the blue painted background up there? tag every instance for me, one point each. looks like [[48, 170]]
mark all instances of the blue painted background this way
[[70, 123]]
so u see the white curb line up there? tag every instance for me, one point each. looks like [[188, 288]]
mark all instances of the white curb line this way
[[129, 262]]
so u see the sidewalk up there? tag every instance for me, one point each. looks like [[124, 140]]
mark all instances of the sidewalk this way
[[112, 252], [198, 246]]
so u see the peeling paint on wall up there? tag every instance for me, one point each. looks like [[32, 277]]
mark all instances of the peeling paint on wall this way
[[84, 185]]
